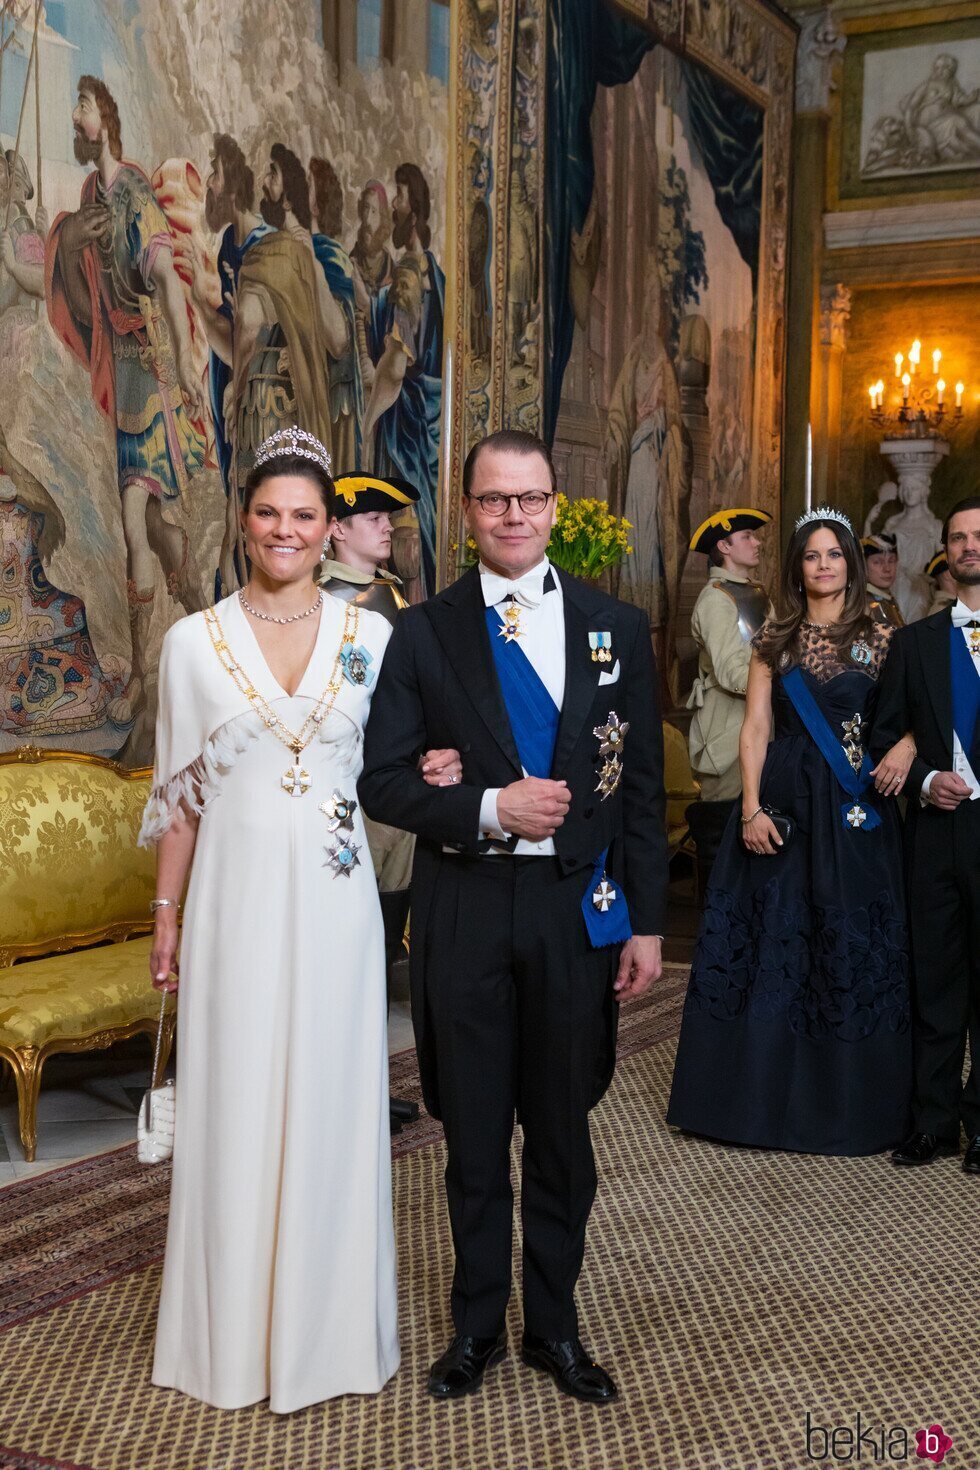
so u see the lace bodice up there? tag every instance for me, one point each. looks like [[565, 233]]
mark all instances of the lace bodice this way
[[815, 653]]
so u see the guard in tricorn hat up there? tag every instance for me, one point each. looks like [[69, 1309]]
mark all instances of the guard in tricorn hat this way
[[729, 611]]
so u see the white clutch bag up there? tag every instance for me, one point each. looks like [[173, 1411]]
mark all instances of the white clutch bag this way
[[158, 1110]]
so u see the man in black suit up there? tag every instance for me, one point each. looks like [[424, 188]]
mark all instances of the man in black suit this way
[[516, 967], [931, 686]]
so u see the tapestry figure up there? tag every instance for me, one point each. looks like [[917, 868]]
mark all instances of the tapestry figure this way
[[406, 340]]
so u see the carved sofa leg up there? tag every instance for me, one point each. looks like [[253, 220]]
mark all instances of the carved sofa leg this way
[[25, 1062]]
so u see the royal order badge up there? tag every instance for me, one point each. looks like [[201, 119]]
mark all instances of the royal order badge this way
[[339, 811], [355, 662], [342, 857], [612, 735]]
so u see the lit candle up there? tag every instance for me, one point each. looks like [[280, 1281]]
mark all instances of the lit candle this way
[[873, 390], [959, 395], [940, 389], [936, 360], [881, 392], [906, 381], [899, 359], [915, 352]]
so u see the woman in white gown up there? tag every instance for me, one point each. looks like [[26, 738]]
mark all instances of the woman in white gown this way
[[279, 1277]]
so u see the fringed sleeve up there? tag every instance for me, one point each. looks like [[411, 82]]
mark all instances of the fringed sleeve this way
[[192, 752], [192, 789]]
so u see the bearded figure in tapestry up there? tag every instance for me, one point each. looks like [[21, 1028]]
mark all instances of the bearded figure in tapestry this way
[[116, 302]]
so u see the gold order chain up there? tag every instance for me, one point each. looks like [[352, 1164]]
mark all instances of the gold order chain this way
[[296, 743]]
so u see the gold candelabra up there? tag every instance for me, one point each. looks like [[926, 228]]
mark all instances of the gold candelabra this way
[[922, 411]]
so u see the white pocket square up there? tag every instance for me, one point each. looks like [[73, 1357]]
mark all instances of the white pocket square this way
[[612, 675]]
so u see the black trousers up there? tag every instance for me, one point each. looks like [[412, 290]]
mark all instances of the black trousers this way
[[944, 919], [520, 1006]]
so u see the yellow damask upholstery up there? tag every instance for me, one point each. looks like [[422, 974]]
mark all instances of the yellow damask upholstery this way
[[70, 995], [69, 864], [682, 788], [71, 878]]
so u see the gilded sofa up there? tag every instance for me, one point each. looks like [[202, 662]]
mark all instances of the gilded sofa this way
[[73, 887]]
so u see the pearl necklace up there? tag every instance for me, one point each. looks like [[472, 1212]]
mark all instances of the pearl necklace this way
[[269, 618]]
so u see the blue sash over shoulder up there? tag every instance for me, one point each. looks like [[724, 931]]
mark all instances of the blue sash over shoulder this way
[[855, 813], [534, 720], [965, 681], [533, 713]]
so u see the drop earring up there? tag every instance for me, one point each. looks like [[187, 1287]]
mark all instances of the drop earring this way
[[326, 548]]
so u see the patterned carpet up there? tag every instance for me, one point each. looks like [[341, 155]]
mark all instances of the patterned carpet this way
[[731, 1291]]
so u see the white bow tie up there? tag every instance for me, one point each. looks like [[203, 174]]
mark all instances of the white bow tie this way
[[528, 590], [965, 617]]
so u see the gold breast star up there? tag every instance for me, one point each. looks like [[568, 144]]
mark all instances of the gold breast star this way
[[610, 776], [612, 735]]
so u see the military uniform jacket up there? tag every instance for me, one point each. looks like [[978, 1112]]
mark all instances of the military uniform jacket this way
[[727, 614]]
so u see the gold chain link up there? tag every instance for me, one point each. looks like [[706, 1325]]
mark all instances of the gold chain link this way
[[296, 743]]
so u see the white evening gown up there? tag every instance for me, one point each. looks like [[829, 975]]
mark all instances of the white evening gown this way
[[279, 1277]]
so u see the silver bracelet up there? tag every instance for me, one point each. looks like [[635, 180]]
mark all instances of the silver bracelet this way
[[747, 820], [163, 903]]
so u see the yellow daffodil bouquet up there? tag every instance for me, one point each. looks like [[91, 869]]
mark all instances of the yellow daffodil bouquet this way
[[587, 539]]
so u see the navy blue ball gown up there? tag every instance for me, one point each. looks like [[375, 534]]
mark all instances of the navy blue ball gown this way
[[796, 1032]]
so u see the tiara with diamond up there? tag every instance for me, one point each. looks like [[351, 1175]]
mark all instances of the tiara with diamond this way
[[294, 441], [824, 513]]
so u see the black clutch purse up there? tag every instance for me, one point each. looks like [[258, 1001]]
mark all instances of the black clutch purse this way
[[784, 825]]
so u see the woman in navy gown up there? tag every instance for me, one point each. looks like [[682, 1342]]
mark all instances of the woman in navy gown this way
[[796, 1024]]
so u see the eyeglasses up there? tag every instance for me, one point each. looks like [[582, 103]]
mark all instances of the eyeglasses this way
[[496, 504]]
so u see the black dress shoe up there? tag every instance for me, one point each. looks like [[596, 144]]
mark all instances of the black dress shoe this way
[[461, 1368], [922, 1148], [971, 1159], [571, 1367]]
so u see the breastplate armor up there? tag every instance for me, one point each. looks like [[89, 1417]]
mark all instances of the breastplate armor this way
[[380, 596], [752, 602]]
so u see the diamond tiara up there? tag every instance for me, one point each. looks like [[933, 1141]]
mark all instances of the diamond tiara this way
[[824, 513], [294, 441]]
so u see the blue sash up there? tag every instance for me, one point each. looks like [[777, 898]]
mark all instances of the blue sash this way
[[854, 813], [534, 721], [965, 681], [608, 919], [533, 713]]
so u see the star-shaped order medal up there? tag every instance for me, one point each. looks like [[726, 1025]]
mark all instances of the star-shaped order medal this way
[[342, 857], [604, 896], [857, 816], [610, 776], [510, 628], [612, 735], [975, 641], [339, 811]]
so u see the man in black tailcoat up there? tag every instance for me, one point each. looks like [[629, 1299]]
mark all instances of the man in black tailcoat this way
[[931, 686], [522, 947]]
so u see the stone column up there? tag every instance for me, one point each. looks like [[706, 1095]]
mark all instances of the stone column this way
[[825, 391], [818, 45]]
